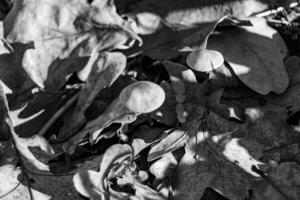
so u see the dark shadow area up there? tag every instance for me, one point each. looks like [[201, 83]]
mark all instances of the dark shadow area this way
[[11, 71]]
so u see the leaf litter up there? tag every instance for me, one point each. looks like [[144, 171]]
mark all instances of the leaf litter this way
[[150, 106]]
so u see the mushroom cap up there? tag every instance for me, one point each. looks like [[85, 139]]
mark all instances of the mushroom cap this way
[[204, 60], [142, 97]]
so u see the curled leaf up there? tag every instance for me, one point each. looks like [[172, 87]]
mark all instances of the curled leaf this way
[[94, 184], [173, 141], [86, 182]]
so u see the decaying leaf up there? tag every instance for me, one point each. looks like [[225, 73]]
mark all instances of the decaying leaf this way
[[285, 177], [162, 167]]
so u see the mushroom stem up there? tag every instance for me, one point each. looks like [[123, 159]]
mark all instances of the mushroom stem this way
[[137, 98]]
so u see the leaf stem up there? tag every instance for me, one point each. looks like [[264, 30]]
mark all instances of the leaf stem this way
[[58, 113], [269, 181]]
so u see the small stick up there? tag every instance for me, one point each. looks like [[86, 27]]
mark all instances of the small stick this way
[[268, 180], [58, 113]]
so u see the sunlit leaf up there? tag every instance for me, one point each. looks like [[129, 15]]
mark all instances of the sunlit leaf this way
[[63, 32], [255, 54]]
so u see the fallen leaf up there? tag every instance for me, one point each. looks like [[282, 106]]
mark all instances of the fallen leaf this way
[[202, 167], [285, 177], [116, 163], [255, 54], [63, 32], [170, 42], [144, 137], [176, 139], [162, 167], [8, 171], [23, 144], [194, 12], [86, 183], [104, 71], [289, 99]]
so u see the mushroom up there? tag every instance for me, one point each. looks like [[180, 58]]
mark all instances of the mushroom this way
[[220, 76], [205, 60], [137, 98]]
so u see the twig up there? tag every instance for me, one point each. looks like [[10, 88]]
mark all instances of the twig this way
[[270, 12], [268, 180], [282, 22], [277, 10], [28, 181], [14, 188], [58, 113], [280, 147]]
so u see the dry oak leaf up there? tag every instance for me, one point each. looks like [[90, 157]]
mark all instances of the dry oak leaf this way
[[203, 167], [255, 54], [62, 31]]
